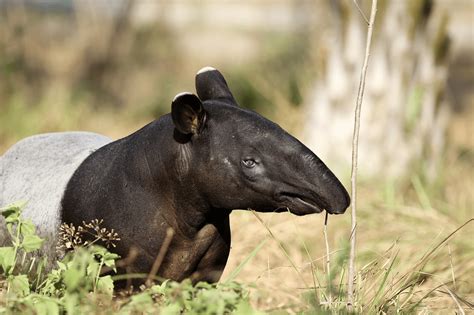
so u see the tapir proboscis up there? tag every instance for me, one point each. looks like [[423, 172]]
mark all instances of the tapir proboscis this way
[[186, 171]]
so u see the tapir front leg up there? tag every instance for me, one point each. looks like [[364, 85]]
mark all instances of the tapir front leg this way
[[201, 258], [213, 262]]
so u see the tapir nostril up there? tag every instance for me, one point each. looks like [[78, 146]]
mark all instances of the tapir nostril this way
[[341, 204]]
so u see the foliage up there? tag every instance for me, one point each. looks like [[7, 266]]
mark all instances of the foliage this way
[[24, 239], [77, 284], [202, 298]]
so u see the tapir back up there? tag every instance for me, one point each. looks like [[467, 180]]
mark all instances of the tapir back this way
[[37, 170]]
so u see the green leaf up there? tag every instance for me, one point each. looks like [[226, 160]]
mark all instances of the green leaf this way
[[93, 269], [9, 211], [70, 302], [72, 278], [31, 242], [61, 265], [106, 285], [172, 309], [239, 268], [138, 302], [11, 215], [19, 285], [106, 257], [44, 305], [109, 259], [7, 258], [160, 288], [27, 228], [244, 308], [142, 298]]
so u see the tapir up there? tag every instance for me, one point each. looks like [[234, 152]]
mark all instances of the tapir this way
[[186, 171]]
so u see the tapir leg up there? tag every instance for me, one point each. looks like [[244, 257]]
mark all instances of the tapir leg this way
[[201, 258], [212, 264]]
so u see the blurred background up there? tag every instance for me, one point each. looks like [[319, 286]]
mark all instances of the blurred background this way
[[111, 66]]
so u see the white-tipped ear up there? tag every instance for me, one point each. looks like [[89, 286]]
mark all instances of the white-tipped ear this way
[[211, 85], [187, 113], [181, 94], [205, 69]]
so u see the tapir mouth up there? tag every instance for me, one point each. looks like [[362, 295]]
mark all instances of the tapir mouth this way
[[299, 204]]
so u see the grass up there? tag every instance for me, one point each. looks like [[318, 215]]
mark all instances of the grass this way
[[404, 261]]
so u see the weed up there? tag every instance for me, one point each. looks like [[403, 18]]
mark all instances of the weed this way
[[77, 284]]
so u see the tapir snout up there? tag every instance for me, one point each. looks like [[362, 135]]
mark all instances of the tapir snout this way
[[330, 191], [308, 185]]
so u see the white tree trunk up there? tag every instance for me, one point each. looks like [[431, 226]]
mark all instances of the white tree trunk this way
[[405, 109]]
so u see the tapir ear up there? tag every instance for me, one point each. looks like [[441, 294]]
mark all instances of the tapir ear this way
[[187, 113], [210, 84]]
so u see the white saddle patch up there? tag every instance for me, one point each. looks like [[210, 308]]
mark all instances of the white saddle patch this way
[[37, 170]]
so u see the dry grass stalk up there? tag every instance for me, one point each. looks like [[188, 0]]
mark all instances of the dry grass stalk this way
[[280, 245], [160, 257], [355, 143], [328, 260]]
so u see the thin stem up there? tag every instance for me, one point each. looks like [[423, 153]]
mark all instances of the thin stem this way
[[361, 12], [328, 261], [281, 247], [452, 266], [355, 146], [160, 257]]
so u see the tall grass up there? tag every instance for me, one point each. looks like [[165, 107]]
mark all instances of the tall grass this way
[[399, 270]]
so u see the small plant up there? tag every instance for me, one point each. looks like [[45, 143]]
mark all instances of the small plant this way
[[24, 240], [80, 272], [202, 298], [77, 286], [71, 237]]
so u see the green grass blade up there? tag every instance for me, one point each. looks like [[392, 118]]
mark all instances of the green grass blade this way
[[421, 193], [239, 268], [377, 297]]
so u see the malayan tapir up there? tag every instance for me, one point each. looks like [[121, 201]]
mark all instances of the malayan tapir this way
[[186, 170]]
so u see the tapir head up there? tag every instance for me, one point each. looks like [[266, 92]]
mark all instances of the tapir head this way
[[241, 160]]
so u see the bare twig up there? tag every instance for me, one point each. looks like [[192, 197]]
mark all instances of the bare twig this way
[[160, 257], [355, 145], [361, 12]]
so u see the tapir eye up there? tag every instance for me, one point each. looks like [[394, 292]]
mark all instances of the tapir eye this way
[[249, 163]]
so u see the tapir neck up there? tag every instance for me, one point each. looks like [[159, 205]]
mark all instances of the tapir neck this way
[[167, 163]]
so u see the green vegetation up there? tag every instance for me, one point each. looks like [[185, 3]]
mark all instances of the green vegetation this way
[[77, 284]]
